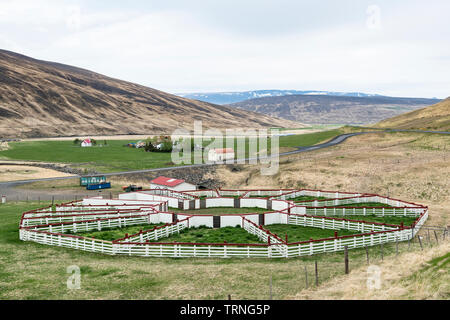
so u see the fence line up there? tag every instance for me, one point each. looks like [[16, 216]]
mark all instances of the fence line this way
[[48, 225]]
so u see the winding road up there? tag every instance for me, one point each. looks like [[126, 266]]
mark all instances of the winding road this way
[[7, 188]]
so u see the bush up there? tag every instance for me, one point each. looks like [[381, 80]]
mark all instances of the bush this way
[[151, 144]]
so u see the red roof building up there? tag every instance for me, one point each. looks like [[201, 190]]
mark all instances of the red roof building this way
[[216, 155], [167, 182]]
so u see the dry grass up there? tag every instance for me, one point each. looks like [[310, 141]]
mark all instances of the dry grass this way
[[411, 167], [402, 277], [117, 183], [15, 173], [33, 271], [67, 94], [435, 117]]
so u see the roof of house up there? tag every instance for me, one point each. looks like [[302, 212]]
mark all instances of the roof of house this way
[[228, 150], [87, 140], [168, 182]]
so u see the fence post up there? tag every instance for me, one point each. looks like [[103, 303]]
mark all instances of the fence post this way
[[306, 277], [420, 241], [436, 236], [270, 288], [346, 260], [317, 274], [367, 254], [381, 249]]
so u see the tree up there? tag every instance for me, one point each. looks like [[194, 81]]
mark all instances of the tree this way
[[166, 146], [149, 147], [76, 141]]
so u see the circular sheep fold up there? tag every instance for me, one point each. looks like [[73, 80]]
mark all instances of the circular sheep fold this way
[[175, 212]]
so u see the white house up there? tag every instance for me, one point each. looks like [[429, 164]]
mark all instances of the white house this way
[[171, 184], [86, 143], [220, 154]]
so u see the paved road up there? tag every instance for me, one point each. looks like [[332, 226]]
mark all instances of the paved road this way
[[7, 188]]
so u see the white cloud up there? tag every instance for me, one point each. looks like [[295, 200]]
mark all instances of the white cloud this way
[[181, 49]]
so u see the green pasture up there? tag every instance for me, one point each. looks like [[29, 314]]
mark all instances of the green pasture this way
[[114, 157]]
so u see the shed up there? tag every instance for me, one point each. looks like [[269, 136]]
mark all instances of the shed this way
[[171, 184], [221, 154]]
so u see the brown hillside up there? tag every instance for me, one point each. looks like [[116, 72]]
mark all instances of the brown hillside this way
[[435, 117], [39, 98], [320, 109]]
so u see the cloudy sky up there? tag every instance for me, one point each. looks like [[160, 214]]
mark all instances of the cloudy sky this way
[[398, 48]]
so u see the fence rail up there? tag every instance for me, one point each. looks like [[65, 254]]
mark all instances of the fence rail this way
[[50, 226]]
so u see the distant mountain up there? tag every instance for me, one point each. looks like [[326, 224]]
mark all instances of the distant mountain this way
[[234, 97], [435, 118], [324, 109], [39, 98]]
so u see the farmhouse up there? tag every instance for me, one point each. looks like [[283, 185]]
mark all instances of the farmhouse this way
[[220, 154], [171, 184], [86, 143]]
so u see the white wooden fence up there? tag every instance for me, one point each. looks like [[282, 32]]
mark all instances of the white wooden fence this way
[[46, 226]]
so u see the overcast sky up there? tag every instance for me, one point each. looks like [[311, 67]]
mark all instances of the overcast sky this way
[[397, 48]]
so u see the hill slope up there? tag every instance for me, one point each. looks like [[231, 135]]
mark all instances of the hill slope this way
[[319, 109], [435, 117], [39, 98], [234, 97]]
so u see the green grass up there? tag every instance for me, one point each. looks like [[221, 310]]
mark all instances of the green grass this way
[[313, 127], [114, 157], [306, 198], [209, 235], [117, 233], [365, 204], [220, 210], [300, 233], [308, 139], [110, 158], [435, 273], [33, 271], [395, 220]]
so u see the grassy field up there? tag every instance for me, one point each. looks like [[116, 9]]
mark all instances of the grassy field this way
[[32, 271], [117, 233], [209, 235], [114, 157], [407, 221], [299, 233]]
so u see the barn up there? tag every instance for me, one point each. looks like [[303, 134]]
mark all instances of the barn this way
[[171, 184], [221, 154], [86, 143]]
